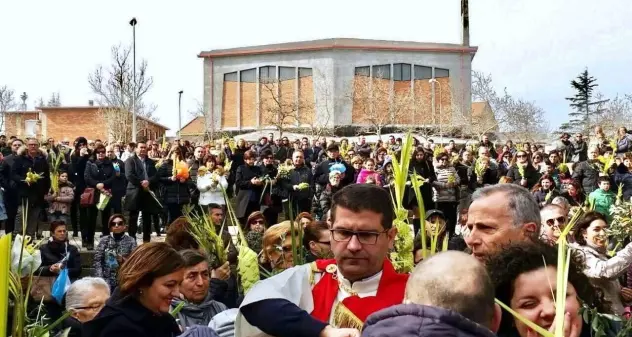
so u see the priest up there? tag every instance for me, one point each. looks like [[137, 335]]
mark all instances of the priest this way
[[330, 298]]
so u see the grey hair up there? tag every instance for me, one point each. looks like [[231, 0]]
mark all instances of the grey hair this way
[[522, 205], [75, 295]]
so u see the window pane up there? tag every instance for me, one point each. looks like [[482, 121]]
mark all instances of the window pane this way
[[230, 77], [248, 76], [267, 73], [423, 73], [442, 72], [362, 71], [382, 71], [397, 72], [405, 72], [304, 72], [287, 73]]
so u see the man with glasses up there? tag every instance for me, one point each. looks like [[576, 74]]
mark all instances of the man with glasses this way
[[553, 221], [30, 193], [333, 297]]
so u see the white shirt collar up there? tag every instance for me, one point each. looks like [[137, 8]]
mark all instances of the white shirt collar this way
[[365, 287]]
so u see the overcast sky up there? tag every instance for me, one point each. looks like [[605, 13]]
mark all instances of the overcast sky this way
[[532, 47]]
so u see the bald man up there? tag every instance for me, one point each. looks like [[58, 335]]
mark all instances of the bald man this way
[[447, 294]]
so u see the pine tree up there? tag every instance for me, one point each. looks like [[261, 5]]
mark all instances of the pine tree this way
[[581, 103]]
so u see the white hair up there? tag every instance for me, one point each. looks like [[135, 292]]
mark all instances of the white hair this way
[[76, 293]]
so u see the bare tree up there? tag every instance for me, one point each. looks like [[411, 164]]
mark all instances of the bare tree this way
[[279, 110], [317, 119], [119, 123], [525, 121], [7, 103], [612, 113], [200, 112], [116, 89], [379, 105]]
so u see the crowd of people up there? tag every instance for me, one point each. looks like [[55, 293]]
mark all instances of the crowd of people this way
[[504, 206]]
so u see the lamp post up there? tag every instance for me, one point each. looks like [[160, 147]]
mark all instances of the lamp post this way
[[179, 112], [133, 23], [433, 81]]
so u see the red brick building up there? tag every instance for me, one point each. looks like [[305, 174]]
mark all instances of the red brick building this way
[[69, 122]]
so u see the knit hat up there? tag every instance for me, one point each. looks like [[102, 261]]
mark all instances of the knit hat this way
[[338, 167]]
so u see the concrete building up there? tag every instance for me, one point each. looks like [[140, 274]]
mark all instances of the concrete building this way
[[336, 83]]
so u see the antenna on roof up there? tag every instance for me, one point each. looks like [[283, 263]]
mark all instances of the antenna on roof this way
[[465, 23]]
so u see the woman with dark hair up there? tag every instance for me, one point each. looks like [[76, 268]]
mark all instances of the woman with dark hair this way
[[179, 236], [148, 281], [421, 166], [249, 187], [76, 173], [176, 189], [522, 172], [544, 191], [574, 194], [99, 175], [524, 277], [603, 270], [113, 250]]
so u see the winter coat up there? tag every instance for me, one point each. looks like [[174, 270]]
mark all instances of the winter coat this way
[[363, 150], [587, 173], [64, 199], [246, 191], [297, 176], [321, 174], [224, 323], [624, 176], [489, 146], [364, 174], [194, 166], [411, 320], [530, 174], [36, 191], [105, 262], [565, 149], [602, 201], [576, 201], [5, 176], [580, 152], [197, 314], [624, 144], [119, 185], [540, 196], [325, 197], [603, 272], [211, 191], [124, 316], [199, 331], [426, 170], [77, 171], [99, 172], [443, 193], [263, 148], [136, 197], [175, 192], [53, 252]]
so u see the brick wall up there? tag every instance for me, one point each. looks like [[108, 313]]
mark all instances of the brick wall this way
[[14, 123], [229, 102], [68, 124], [423, 103], [306, 100], [248, 104], [268, 108], [194, 127]]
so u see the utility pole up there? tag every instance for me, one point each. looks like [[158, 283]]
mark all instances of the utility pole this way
[[179, 112], [133, 23]]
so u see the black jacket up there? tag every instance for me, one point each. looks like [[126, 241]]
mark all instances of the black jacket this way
[[300, 175], [321, 174], [246, 191], [99, 172], [136, 198], [34, 192], [76, 172], [587, 173], [530, 174], [126, 317], [119, 184], [53, 252], [5, 176], [175, 192]]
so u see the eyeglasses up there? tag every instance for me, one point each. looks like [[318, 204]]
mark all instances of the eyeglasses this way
[[270, 158], [560, 221], [365, 237], [521, 156], [100, 152], [117, 223]]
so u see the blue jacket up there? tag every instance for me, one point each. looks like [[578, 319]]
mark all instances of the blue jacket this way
[[408, 320]]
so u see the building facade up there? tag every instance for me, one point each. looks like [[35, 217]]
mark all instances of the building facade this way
[[67, 123], [337, 82]]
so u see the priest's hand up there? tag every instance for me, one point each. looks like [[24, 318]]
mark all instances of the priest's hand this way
[[330, 331]]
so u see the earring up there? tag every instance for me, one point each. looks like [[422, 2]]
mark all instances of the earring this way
[[140, 291]]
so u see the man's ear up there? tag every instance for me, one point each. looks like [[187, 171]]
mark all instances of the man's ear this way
[[530, 229], [392, 233], [498, 315]]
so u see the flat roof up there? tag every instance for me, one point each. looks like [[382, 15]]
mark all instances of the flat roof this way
[[340, 43]]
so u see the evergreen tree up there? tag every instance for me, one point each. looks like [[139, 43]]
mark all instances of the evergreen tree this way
[[54, 100], [581, 103]]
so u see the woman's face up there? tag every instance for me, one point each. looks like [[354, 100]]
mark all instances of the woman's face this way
[[533, 299], [572, 190], [100, 154], [305, 222], [257, 225], [250, 161], [117, 226], [546, 184], [195, 284], [522, 157], [595, 234], [93, 302], [63, 178], [210, 165], [507, 158], [357, 165], [627, 162], [537, 159], [419, 156], [158, 296], [281, 256], [622, 131], [60, 233]]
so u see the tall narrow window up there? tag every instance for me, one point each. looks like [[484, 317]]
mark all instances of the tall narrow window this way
[[287, 73], [230, 77], [248, 76], [267, 73], [382, 71], [401, 72]]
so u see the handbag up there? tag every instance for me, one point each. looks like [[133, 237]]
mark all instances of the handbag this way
[[87, 197], [41, 288]]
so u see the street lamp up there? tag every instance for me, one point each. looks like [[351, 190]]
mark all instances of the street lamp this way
[[433, 81], [179, 112], [133, 23]]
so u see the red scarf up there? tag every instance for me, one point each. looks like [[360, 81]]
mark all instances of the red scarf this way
[[390, 291]]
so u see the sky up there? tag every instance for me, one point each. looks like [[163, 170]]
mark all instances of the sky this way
[[534, 48]]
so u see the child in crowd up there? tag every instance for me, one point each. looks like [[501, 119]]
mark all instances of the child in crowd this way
[[59, 204], [602, 198], [368, 173]]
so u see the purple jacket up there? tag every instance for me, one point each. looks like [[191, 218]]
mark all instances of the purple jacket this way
[[408, 320]]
